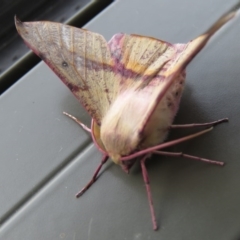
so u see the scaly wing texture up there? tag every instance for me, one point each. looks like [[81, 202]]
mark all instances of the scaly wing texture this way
[[80, 58], [142, 64]]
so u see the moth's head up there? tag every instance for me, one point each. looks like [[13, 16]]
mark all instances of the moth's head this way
[[108, 146], [118, 145], [119, 131]]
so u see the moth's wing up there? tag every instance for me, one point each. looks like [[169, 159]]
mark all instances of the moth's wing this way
[[80, 58], [147, 67], [142, 64]]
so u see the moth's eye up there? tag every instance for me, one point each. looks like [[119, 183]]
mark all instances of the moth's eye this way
[[64, 64], [176, 93]]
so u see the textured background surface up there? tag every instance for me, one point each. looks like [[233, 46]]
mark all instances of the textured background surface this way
[[46, 158]]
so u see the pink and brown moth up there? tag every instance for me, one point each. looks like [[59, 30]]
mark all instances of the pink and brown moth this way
[[131, 86]]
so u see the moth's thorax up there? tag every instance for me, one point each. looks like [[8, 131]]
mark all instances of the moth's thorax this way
[[122, 129]]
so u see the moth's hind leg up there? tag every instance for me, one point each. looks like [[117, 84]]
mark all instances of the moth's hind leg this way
[[78, 122], [94, 178], [180, 154], [149, 194], [210, 124]]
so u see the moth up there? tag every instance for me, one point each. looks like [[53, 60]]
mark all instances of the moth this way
[[131, 86]]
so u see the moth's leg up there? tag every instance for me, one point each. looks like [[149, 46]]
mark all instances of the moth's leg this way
[[147, 184], [78, 121], [94, 178], [214, 123], [165, 145], [180, 154]]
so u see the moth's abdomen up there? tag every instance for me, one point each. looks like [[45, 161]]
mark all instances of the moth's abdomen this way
[[158, 125]]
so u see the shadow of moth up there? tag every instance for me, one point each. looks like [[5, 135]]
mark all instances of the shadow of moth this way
[[131, 87]]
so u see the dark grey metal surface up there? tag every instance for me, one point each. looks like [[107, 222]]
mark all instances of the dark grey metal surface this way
[[14, 60], [45, 157]]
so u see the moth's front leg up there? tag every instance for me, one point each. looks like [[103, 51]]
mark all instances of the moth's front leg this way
[[104, 159], [78, 122], [94, 177]]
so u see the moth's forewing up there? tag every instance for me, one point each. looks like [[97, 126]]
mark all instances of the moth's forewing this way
[[80, 58]]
